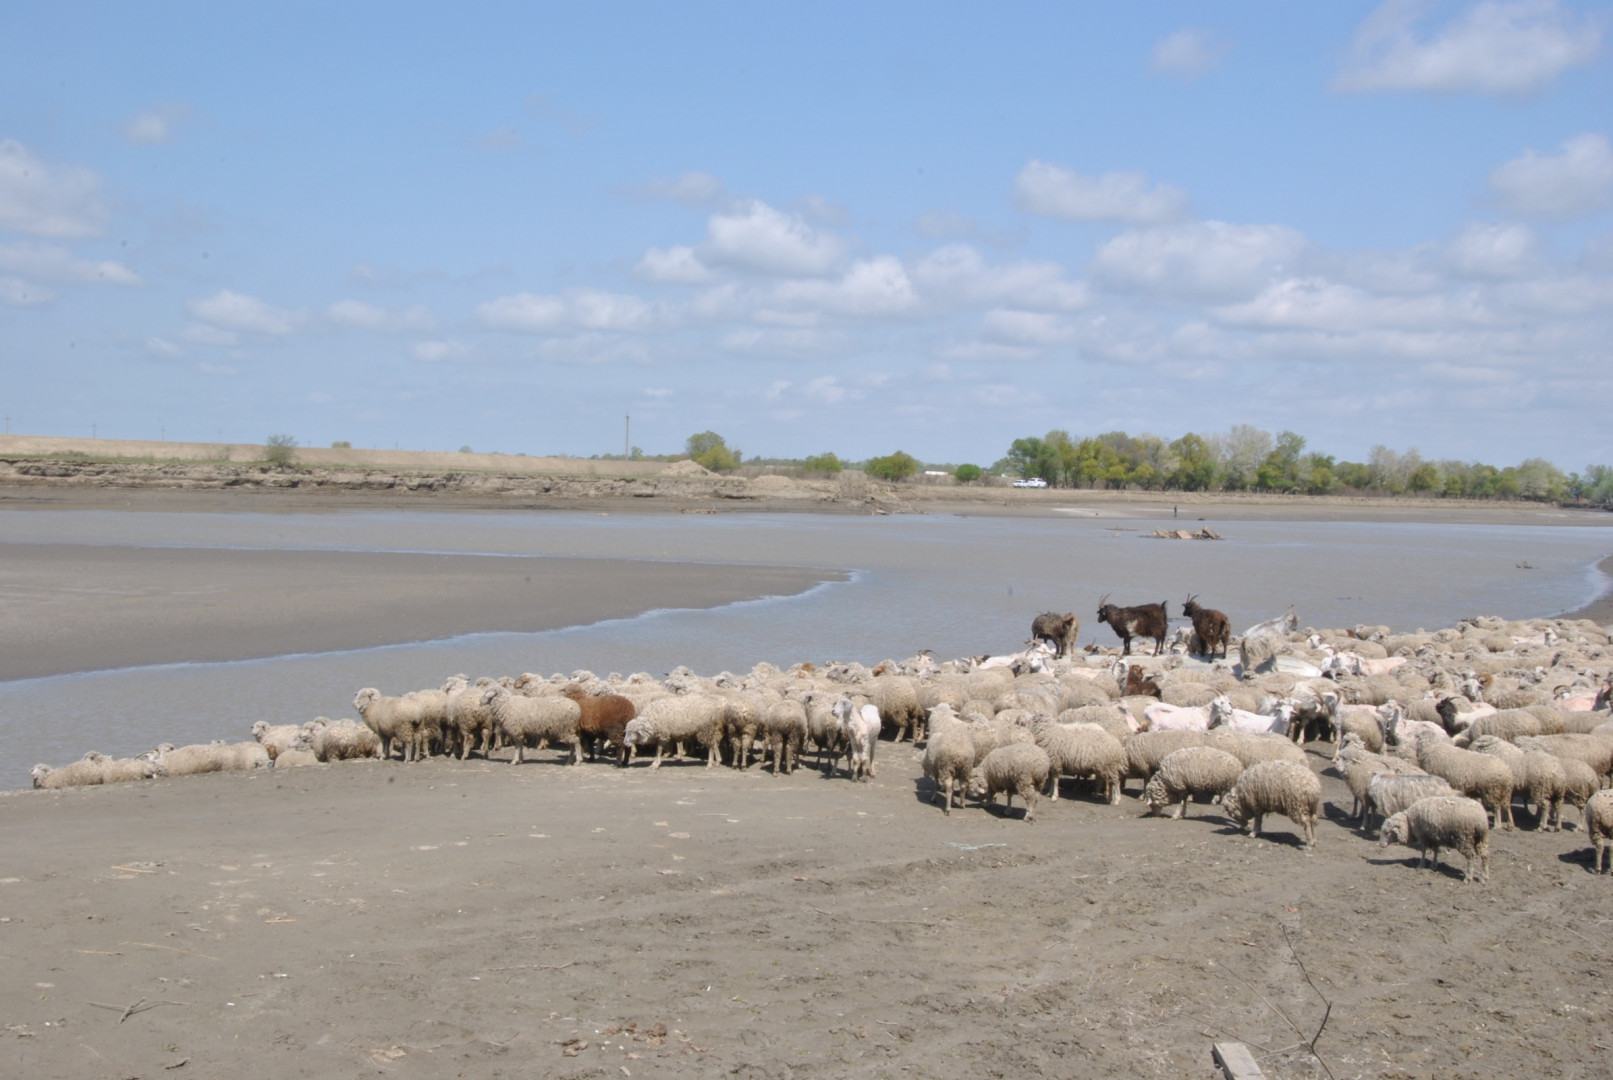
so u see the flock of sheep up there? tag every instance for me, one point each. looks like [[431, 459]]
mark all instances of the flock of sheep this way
[[1436, 735]]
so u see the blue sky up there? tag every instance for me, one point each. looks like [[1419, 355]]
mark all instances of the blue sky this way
[[812, 227]]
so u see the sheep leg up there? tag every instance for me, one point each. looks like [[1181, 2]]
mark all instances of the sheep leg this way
[[656, 764]]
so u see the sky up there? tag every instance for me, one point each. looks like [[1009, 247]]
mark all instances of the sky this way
[[813, 227]]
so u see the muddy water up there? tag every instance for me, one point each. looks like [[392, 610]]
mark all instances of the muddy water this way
[[954, 585]]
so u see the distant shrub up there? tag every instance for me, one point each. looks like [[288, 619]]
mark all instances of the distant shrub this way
[[967, 473], [341, 444], [709, 450], [828, 464], [466, 450], [897, 466], [279, 449]]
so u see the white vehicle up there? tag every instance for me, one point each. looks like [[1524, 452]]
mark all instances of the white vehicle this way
[[1031, 482]]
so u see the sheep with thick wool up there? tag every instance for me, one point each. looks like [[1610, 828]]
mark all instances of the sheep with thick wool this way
[[1480, 776], [469, 718], [395, 720], [1146, 749], [1201, 771], [1536, 776], [1017, 769], [93, 768], [949, 755], [277, 738], [1251, 747], [208, 758], [1081, 750], [1358, 766], [1599, 828], [681, 718], [532, 721], [1389, 793], [1275, 787], [1443, 822], [341, 740], [602, 718], [1595, 750], [784, 733]]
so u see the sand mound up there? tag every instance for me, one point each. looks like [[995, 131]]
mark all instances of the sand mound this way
[[686, 468], [774, 483]]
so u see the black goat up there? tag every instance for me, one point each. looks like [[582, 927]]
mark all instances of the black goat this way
[[1058, 630], [1145, 620]]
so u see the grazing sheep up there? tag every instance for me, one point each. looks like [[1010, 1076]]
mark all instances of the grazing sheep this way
[[684, 718], [342, 740], [1536, 775], [784, 731], [1478, 775], [1275, 787], [1599, 826], [393, 719], [1442, 821], [277, 738], [861, 724], [93, 768], [1389, 793], [1251, 747], [532, 721], [1085, 750], [207, 758], [1019, 769], [602, 719], [949, 756], [1146, 749], [1193, 770]]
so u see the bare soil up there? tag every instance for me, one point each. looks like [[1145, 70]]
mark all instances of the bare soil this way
[[482, 920]]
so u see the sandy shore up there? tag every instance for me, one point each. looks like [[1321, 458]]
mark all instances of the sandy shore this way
[[482, 920], [73, 608]]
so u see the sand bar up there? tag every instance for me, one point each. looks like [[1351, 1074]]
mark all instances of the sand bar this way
[[67, 608]]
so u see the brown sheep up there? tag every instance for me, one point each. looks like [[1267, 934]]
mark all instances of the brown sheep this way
[[604, 719]]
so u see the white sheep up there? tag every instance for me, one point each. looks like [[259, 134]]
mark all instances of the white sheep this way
[[1223, 715], [1477, 775], [784, 731], [278, 738], [1162, 717], [682, 718], [1599, 827], [342, 740], [393, 719], [1443, 821], [531, 721], [861, 724], [1146, 749], [1389, 793], [1536, 775], [93, 768], [207, 758], [1275, 787], [1081, 750], [1201, 771], [1018, 769], [949, 755]]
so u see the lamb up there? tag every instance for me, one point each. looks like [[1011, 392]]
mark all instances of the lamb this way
[[1599, 825], [207, 758], [1478, 775], [1081, 751], [861, 724], [1389, 793], [278, 738], [1536, 775], [93, 768], [949, 756], [602, 719], [1019, 769], [684, 718], [784, 729], [1443, 821], [1275, 787], [341, 740], [393, 719], [530, 721], [1193, 770]]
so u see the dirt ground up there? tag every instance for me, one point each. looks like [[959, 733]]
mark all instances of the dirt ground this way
[[482, 920]]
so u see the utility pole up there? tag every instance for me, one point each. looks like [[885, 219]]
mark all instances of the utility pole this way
[[627, 436]]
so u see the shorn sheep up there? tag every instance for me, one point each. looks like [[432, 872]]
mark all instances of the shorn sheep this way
[[1018, 769], [1599, 827], [1275, 787], [1440, 822], [1200, 771], [861, 724]]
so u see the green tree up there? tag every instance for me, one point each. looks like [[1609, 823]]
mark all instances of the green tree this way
[[1424, 478], [708, 449], [279, 449], [827, 464], [967, 473], [341, 444], [1195, 465], [893, 467]]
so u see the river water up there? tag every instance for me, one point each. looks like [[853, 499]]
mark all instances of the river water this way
[[957, 585]]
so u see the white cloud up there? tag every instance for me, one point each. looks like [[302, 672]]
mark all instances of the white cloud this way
[[758, 237], [1188, 54], [1206, 259], [1494, 251], [776, 391], [59, 264], [590, 348], [760, 342], [1493, 48], [202, 334], [1025, 327], [247, 314], [870, 288], [690, 189], [15, 292], [1571, 184], [659, 393], [45, 200], [676, 265], [441, 352], [152, 127], [362, 316], [990, 352], [828, 390], [958, 273], [1057, 192], [575, 309], [1318, 304], [157, 346], [943, 225]]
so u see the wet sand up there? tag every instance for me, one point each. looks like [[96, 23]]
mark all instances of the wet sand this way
[[482, 920], [68, 608]]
